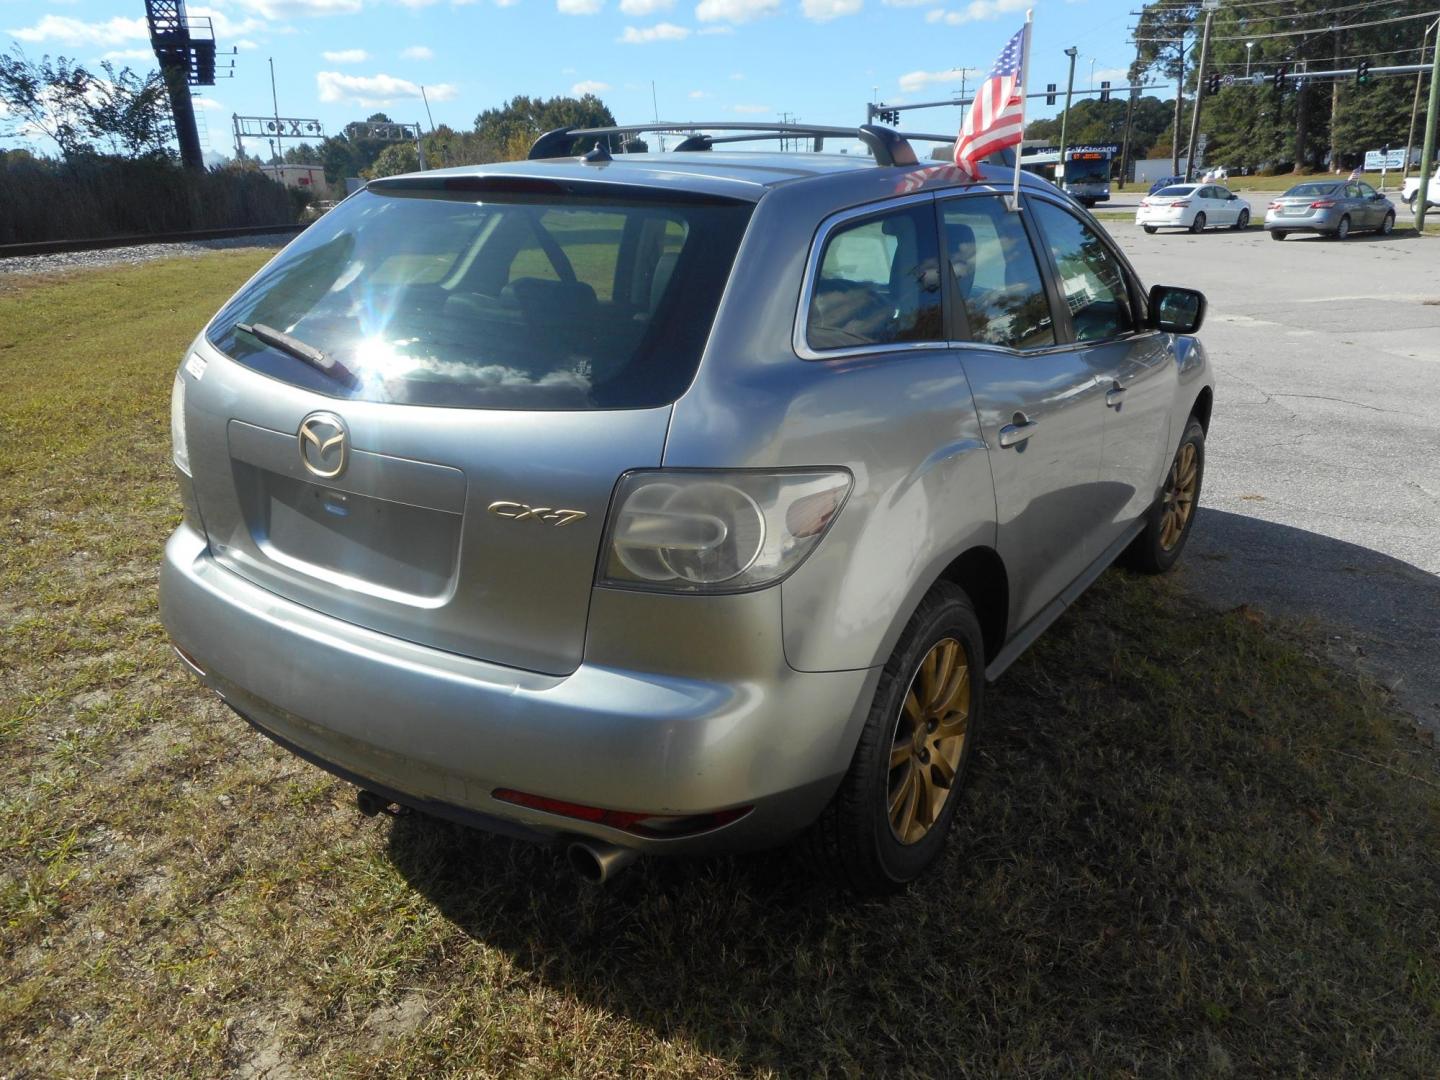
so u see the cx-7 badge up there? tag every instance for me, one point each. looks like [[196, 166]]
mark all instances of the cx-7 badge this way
[[550, 516]]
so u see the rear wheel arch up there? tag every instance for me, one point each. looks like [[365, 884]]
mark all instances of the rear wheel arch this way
[[981, 573]]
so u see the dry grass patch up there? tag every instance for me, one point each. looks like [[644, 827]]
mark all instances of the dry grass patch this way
[[1192, 846]]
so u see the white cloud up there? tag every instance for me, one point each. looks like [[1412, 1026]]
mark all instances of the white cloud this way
[[697, 95], [506, 3], [914, 81], [418, 3], [227, 28], [202, 102], [976, 11], [735, 11], [368, 90], [708, 30], [641, 8], [65, 30], [825, 10], [418, 52], [1114, 76], [751, 109], [635, 35], [578, 7], [906, 3], [347, 56], [129, 54], [588, 86], [737, 76], [289, 9], [246, 45]]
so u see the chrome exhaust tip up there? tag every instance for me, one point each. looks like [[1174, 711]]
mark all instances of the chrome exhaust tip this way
[[597, 862]]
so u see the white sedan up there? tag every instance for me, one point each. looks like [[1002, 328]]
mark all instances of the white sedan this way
[[1193, 207]]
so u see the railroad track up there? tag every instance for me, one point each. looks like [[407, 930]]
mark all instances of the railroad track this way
[[54, 247]]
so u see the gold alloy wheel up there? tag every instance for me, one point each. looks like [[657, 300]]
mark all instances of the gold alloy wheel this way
[[929, 739], [1179, 501]]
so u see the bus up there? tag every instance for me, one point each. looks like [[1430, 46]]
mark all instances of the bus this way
[[1085, 174]]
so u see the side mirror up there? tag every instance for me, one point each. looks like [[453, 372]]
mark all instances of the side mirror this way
[[1174, 310], [1233, 196]]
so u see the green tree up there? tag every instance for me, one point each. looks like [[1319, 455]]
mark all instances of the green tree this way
[[129, 113], [507, 132], [397, 158], [47, 98], [304, 154]]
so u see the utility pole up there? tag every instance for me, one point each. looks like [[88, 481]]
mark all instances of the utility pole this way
[[275, 101], [1179, 108], [1427, 156], [1071, 52], [1335, 109], [1129, 127], [1210, 6], [1415, 104]]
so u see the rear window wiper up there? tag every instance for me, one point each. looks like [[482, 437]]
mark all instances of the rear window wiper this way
[[288, 343]]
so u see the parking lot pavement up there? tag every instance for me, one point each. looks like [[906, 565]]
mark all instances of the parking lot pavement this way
[[1323, 463]]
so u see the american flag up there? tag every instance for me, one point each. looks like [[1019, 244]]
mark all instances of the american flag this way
[[997, 116]]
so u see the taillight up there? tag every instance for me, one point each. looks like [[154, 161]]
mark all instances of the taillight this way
[[1322, 204], [1274, 206], [1144, 202], [1182, 202], [700, 531]]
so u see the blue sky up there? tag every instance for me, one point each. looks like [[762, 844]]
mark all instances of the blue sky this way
[[818, 60]]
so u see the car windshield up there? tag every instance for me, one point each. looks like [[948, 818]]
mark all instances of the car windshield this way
[[1176, 191], [1309, 191], [493, 297]]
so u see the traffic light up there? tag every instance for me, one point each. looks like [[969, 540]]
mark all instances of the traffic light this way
[[1050, 93], [1281, 73], [889, 116], [1362, 73], [1104, 91], [1212, 83]]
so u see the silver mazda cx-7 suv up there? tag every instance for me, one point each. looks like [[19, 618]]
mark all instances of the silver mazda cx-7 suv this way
[[672, 502]]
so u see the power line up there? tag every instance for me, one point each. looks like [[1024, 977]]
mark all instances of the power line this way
[[1312, 30]]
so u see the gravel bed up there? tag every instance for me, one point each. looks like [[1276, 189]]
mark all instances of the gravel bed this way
[[88, 260]]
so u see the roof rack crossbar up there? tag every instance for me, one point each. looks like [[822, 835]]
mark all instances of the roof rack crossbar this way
[[888, 146]]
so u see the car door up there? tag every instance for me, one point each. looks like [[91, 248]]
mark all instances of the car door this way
[[1136, 365], [1230, 202], [1039, 402], [1375, 206], [1356, 207]]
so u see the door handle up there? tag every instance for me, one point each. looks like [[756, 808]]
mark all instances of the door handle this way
[[1115, 395], [1015, 434]]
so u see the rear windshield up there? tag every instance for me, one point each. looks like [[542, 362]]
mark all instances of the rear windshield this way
[[1308, 191], [1176, 191], [493, 299]]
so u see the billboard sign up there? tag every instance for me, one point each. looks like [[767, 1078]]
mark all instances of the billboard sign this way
[[1384, 159]]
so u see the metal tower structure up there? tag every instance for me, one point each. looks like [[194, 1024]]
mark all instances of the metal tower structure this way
[[186, 60]]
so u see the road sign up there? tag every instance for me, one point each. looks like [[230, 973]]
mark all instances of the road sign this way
[[1382, 159]]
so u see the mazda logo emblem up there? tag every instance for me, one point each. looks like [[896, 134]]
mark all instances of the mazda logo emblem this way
[[324, 445]]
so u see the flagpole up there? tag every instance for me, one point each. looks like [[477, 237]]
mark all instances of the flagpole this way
[[1024, 84]]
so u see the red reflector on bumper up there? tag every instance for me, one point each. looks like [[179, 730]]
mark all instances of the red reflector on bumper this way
[[639, 822]]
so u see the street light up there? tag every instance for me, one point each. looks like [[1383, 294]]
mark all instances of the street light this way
[[1092, 73], [1071, 52], [1248, 46]]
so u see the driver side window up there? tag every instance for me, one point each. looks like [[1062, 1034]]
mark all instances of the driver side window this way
[[1090, 277]]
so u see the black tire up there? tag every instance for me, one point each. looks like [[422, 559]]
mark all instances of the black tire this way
[[1150, 553], [1198, 225], [853, 842], [1150, 228], [1343, 229], [1276, 234], [1242, 222], [1388, 225]]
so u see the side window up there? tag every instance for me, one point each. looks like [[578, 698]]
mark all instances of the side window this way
[[995, 274], [1366, 190], [1090, 277], [878, 283], [1352, 191]]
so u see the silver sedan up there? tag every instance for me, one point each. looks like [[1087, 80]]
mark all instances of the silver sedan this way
[[1333, 207]]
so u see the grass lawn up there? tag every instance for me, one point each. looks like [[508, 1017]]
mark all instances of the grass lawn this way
[[1191, 845]]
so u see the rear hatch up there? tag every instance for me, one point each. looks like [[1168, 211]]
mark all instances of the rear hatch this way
[[414, 417], [1299, 202]]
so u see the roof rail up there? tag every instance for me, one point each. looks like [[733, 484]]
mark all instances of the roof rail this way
[[889, 147]]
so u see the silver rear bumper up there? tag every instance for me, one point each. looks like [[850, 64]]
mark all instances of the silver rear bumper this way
[[443, 731]]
